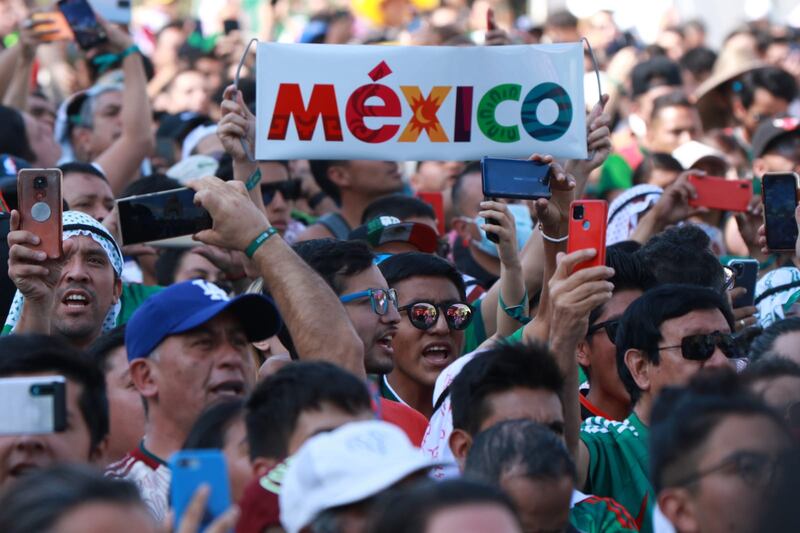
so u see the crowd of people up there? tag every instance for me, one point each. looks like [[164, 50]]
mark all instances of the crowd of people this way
[[365, 362]]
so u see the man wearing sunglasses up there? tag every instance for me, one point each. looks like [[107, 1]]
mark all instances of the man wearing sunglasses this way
[[664, 338], [430, 335], [597, 354], [279, 192], [715, 452]]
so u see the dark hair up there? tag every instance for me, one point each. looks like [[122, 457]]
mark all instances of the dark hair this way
[[33, 354], [770, 367], [106, 343], [505, 367], [151, 183], [683, 418], [473, 167], [682, 254], [403, 266], [13, 135], [640, 326], [333, 259], [655, 72], [319, 169], [630, 272], [41, 498], [774, 80], [83, 168], [277, 402], [400, 206], [211, 426], [698, 60], [561, 19], [521, 447], [410, 510], [675, 98], [652, 162], [765, 342], [167, 264]]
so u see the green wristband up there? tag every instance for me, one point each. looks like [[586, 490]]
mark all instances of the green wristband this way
[[517, 312], [253, 180], [258, 241], [133, 49]]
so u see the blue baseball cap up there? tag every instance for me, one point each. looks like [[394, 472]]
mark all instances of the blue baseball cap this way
[[189, 304]]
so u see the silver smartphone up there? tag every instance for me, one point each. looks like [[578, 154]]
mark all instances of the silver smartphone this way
[[33, 405]]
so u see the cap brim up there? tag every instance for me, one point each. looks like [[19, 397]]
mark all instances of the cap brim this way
[[258, 315]]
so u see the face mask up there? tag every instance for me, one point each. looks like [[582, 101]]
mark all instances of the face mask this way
[[524, 226]]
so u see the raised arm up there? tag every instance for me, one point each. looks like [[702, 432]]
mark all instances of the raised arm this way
[[122, 160], [311, 311]]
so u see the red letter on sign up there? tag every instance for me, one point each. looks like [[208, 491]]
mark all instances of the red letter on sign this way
[[357, 109], [290, 103]]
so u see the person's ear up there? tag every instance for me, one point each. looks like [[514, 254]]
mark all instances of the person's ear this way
[[462, 228], [582, 352], [97, 455], [639, 366], [339, 176], [117, 290], [143, 377], [679, 507], [262, 465], [460, 443], [759, 167], [739, 112]]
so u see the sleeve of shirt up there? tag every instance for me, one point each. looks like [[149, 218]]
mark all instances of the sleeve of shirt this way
[[591, 436]]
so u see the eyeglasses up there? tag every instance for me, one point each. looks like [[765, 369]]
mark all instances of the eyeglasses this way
[[425, 315], [701, 347], [611, 327], [754, 468], [289, 189], [379, 299]]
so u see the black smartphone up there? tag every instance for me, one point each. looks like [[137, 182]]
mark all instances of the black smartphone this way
[[746, 271], [515, 178], [230, 25], [80, 17], [780, 200], [162, 216]]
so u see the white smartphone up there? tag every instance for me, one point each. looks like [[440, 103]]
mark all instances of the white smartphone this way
[[33, 405]]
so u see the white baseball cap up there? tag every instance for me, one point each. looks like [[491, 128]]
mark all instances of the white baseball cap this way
[[347, 465]]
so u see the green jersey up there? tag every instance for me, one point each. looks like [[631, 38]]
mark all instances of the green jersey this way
[[601, 515], [618, 465]]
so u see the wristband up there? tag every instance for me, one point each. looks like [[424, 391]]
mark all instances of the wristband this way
[[253, 180], [103, 62], [316, 198], [548, 238], [132, 49], [258, 241], [517, 312]]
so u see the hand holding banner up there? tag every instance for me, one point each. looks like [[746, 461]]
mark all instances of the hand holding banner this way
[[419, 103]]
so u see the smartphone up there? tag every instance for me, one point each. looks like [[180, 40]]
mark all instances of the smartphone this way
[[80, 17], [192, 468], [515, 178], [780, 200], [746, 271], [33, 405], [718, 193], [162, 218], [230, 25], [53, 21], [40, 207], [587, 229], [436, 201]]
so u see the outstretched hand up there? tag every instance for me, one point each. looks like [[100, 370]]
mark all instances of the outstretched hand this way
[[553, 214], [237, 126], [500, 221]]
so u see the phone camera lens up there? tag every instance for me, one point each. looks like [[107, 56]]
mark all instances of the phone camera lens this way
[[35, 390], [39, 182], [577, 212], [738, 268]]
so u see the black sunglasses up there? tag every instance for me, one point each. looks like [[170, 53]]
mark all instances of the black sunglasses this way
[[701, 347], [611, 327], [424, 315], [289, 189]]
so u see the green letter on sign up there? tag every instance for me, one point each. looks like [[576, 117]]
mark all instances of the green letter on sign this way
[[486, 111]]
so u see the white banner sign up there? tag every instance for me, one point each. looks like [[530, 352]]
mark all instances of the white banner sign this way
[[416, 103]]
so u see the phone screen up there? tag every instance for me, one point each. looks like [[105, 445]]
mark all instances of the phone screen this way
[[780, 200], [80, 16], [160, 216], [514, 178]]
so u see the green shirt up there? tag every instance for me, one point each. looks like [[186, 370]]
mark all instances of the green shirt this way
[[475, 333], [601, 515], [134, 295], [618, 465]]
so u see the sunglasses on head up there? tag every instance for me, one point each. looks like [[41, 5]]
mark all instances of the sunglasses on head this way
[[424, 315], [701, 347], [289, 189], [610, 326]]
